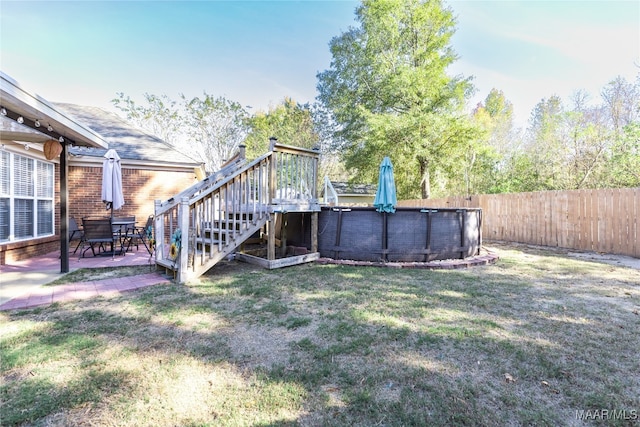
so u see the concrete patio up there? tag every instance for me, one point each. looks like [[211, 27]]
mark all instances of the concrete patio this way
[[21, 283]]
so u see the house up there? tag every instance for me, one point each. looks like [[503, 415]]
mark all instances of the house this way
[[37, 195], [151, 168]]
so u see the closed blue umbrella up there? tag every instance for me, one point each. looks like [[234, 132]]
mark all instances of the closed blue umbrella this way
[[385, 200]]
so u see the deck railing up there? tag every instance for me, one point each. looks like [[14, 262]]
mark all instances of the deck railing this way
[[212, 218]]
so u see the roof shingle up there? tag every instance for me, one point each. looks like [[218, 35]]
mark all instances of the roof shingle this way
[[130, 142]]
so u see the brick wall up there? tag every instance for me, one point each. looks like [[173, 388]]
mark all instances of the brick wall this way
[[16, 251], [141, 188]]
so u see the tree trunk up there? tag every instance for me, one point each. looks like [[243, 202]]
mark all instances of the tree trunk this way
[[425, 183]]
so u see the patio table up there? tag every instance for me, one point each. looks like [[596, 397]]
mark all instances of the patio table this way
[[124, 226]]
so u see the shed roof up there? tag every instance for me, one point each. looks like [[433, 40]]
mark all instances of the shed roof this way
[[354, 189]]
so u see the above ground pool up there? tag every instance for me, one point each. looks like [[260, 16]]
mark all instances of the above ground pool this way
[[408, 235]]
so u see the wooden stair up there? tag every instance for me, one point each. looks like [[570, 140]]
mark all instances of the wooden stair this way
[[215, 241], [218, 214]]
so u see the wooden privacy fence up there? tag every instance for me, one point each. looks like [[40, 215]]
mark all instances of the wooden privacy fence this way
[[605, 220]]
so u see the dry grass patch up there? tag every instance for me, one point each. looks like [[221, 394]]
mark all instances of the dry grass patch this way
[[86, 274], [528, 341]]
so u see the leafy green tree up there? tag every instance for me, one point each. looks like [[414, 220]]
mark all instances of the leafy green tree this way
[[160, 116], [546, 147], [290, 122], [390, 95], [216, 127], [621, 106], [300, 125], [497, 145], [624, 164], [587, 141], [584, 146], [622, 101], [209, 129], [502, 134]]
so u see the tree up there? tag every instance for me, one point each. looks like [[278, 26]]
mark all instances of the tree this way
[[587, 141], [330, 164], [622, 99], [160, 117], [624, 164], [209, 129], [389, 94], [290, 122], [622, 108], [301, 125], [489, 172], [584, 146], [546, 147], [217, 126]]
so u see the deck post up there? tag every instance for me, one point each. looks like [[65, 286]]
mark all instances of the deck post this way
[[314, 231], [271, 225], [158, 228], [183, 224], [283, 235], [271, 237]]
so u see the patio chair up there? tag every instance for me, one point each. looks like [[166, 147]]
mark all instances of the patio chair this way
[[97, 232], [139, 234], [75, 232]]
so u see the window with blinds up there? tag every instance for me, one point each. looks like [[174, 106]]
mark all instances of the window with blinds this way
[[5, 203], [26, 197]]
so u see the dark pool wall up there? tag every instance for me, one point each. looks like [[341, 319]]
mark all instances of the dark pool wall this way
[[408, 235]]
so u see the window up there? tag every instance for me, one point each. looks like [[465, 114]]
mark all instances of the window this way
[[26, 197]]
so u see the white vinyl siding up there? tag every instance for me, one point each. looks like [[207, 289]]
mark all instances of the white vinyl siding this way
[[26, 197]]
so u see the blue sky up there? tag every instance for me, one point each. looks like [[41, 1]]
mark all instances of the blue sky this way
[[258, 52]]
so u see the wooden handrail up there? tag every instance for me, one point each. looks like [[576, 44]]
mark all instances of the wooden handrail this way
[[230, 177], [283, 148], [211, 180], [235, 202]]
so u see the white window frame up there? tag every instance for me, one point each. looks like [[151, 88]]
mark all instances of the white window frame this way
[[38, 189]]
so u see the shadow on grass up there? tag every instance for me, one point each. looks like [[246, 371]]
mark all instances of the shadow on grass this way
[[345, 345]]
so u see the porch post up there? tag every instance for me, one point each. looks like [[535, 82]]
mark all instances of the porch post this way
[[64, 214]]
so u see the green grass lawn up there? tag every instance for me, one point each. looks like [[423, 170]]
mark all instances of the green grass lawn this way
[[539, 338]]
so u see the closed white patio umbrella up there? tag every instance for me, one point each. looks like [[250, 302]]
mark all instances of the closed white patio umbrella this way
[[112, 181], [112, 184]]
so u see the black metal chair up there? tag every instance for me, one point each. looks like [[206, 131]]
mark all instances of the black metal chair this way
[[75, 232], [97, 232], [139, 234]]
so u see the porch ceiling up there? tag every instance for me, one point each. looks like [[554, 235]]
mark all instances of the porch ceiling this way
[[18, 102]]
